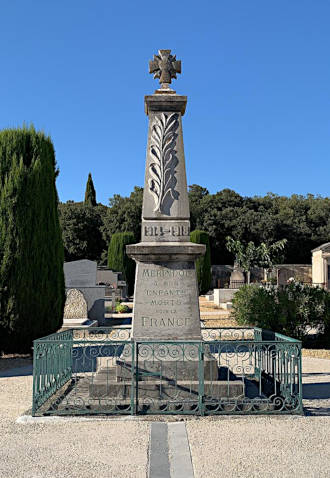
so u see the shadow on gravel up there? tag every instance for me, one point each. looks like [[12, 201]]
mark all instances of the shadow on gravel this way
[[24, 371], [317, 411], [316, 391]]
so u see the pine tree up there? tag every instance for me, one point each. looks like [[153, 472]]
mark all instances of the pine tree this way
[[90, 194], [118, 260], [203, 264], [32, 293]]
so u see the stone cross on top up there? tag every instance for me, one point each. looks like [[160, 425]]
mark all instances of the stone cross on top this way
[[165, 67]]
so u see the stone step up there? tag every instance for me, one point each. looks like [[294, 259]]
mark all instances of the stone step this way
[[162, 390]]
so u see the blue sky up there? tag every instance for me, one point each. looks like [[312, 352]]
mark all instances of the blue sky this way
[[256, 73]]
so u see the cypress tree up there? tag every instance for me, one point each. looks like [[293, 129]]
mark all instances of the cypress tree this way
[[203, 264], [90, 194], [32, 293], [118, 260]]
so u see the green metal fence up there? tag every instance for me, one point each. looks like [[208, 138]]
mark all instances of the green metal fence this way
[[230, 371]]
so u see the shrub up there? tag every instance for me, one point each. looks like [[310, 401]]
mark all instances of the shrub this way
[[32, 291], [122, 308], [292, 310], [255, 305], [203, 264], [118, 260]]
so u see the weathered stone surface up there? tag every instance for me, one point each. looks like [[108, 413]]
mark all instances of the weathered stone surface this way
[[165, 188], [166, 301], [237, 275], [80, 273], [165, 67], [75, 305], [165, 231], [156, 390], [95, 297], [165, 251]]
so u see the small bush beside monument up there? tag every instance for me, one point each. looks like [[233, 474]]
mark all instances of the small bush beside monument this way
[[293, 310]]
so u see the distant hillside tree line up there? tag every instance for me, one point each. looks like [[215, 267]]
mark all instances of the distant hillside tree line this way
[[303, 220]]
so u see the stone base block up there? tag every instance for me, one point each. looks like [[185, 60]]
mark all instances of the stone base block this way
[[168, 370], [102, 387]]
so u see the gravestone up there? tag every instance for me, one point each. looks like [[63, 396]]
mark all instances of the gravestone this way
[[112, 281], [81, 275], [75, 305]]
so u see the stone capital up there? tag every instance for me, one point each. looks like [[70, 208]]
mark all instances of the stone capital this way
[[158, 102], [165, 252]]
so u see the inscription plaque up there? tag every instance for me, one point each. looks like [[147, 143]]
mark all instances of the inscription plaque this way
[[165, 231], [166, 301]]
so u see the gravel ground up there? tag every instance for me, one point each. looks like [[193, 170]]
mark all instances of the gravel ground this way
[[240, 447], [269, 447], [73, 449], [261, 447]]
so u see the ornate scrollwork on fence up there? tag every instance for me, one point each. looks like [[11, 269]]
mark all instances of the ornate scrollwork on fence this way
[[91, 372]]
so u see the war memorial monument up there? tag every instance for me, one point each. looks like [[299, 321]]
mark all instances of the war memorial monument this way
[[165, 363], [166, 303]]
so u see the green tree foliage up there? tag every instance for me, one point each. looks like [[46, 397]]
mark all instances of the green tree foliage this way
[[81, 231], [118, 260], [196, 194], [90, 194], [124, 215], [250, 256], [203, 264], [32, 293], [293, 310], [303, 220]]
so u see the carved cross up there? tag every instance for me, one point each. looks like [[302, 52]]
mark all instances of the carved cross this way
[[165, 67]]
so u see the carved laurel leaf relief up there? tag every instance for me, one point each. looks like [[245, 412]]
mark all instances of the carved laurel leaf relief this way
[[163, 162]]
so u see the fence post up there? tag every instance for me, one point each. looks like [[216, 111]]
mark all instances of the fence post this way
[[201, 404], [133, 380], [35, 372], [300, 378]]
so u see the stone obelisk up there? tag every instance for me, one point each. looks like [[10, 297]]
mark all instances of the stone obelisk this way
[[166, 305]]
